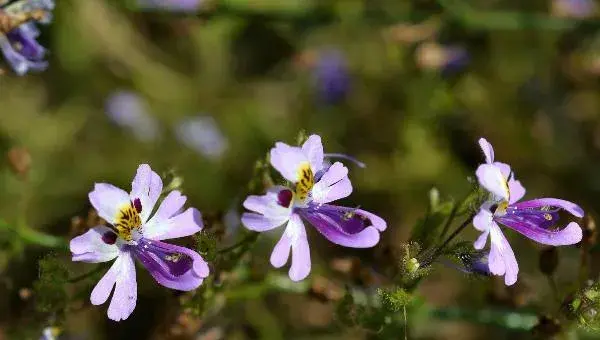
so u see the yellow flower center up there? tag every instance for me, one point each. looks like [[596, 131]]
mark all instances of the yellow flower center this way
[[306, 182], [128, 219]]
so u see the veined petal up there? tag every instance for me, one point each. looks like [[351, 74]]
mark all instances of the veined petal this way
[[572, 208], [516, 189], [333, 185], [124, 298], [260, 223], [481, 240], [281, 252], [483, 220], [108, 201], [270, 212], [301, 265], [121, 274], [487, 149], [313, 148], [288, 161], [294, 239], [344, 226], [146, 186], [185, 224], [490, 177], [92, 246], [172, 266], [572, 234], [501, 259]]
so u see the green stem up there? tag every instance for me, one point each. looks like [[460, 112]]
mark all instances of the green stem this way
[[450, 218], [438, 251], [33, 236], [246, 240]]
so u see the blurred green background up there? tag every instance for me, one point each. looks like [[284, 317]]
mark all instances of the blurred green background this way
[[405, 86]]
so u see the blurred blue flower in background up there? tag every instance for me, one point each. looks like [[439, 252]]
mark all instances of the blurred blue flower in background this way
[[578, 9], [170, 5], [202, 134], [128, 110], [332, 77], [18, 37]]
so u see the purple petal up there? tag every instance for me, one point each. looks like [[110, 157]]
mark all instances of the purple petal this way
[[281, 252], [483, 220], [572, 234], [301, 265], [30, 48], [333, 185], [490, 177], [121, 274], [260, 223], [91, 248], [124, 298], [344, 226], [376, 221], [161, 223], [185, 224], [481, 240], [270, 213], [487, 149], [172, 266], [572, 208], [501, 259], [288, 161], [17, 61], [313, 149], [108, 200], [147, 186]]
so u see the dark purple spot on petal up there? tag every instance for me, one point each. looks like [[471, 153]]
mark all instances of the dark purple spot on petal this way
[[109, 237], [163, 258], [284, 198], [137, 204]]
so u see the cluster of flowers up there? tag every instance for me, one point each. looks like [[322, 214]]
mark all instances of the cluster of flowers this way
[[313, 184]]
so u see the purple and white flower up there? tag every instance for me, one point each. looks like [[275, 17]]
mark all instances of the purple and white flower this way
[[134, 233], [534, 219], [19, 45], [313, 187]]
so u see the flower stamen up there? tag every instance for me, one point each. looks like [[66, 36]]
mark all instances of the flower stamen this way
[[128, 220], [307, 181]]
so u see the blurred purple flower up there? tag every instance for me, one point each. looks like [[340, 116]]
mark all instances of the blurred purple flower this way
[[308, 200], [128, 110], [534, 219], [171, 5], [19, 45], [134, 234], [446, 59], [201, 133], [331, 76], [574, 8]]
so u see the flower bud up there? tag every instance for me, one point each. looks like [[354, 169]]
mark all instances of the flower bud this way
[[548, 260]]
